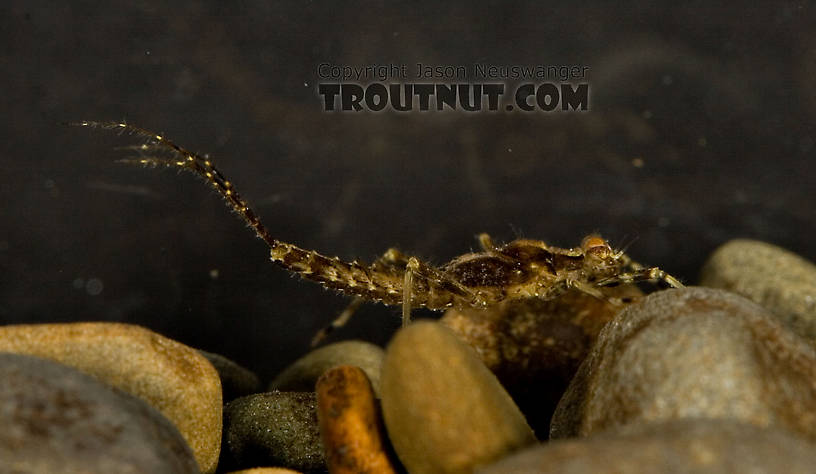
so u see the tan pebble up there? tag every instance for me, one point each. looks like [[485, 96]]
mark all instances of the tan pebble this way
[[350, 424], [690, 353], [170, 376], [534, 346], [304, 372], [679, 446], [771, 276], [444, 410]]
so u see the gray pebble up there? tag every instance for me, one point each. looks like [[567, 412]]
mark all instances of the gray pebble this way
[[777, 279], [444, 410], [236, 381], [671, 447], [56, 419], [302, 375], [695, 352], [272, 429]]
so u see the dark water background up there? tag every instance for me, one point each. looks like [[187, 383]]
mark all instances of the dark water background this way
[[717, 104]]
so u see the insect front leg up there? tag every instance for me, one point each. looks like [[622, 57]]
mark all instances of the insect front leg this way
[[653, 274]]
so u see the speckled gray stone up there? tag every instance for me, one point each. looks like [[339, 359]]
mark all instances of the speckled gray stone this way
[[273, 429], [694, 352], [236, 381], [302, 374], [444, 410], [672, 447], [57, 419], [777, 279]]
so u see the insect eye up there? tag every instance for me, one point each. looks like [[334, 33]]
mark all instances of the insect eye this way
[[593, 241], [596, 245]]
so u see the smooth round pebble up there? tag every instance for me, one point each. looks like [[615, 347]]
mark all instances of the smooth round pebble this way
[[273, 429], [534, 346], [236, 381], [172, 377], [777, 279], [690, 353], [444, 410], [57, 419], [678, 446], [302, 375]]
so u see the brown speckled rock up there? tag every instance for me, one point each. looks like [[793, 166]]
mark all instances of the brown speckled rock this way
[[351, 424], [170, 376], [671, 447], [273, 429], [777, 279], [444, 410], [694, 352], [302, 375], [236, 381], [535, 346], [56, 419]]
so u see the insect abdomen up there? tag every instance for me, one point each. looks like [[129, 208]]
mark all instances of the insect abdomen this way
[[351, 278]]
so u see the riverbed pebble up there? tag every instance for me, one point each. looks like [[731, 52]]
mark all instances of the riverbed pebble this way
[[535, 346], [694, 352], [57, 419], [273, 429], [445, 412], [350, 423], [686, 446], [777, 279], [170, 376], [302, 374]]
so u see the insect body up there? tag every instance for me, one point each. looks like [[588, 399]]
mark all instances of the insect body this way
[[520, 269]]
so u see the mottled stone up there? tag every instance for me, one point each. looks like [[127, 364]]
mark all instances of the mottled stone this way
[[302, 375], [694, 352], [57, 419], [676, 446], [535, 346], [444, 410], [777, 279], [350, 424], [170, 376], [273, 429], [236, 381]]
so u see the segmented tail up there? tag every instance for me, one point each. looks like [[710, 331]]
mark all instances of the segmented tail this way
[[352, 278]]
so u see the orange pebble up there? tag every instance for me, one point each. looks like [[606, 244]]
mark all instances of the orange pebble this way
[[350, 424]]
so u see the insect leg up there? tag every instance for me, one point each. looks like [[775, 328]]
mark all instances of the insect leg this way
[[486, 242], [644, 274], [391, 259], [408, 289], [432, 288]]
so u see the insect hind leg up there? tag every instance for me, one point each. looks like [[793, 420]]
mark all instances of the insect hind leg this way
[[392, 259]]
